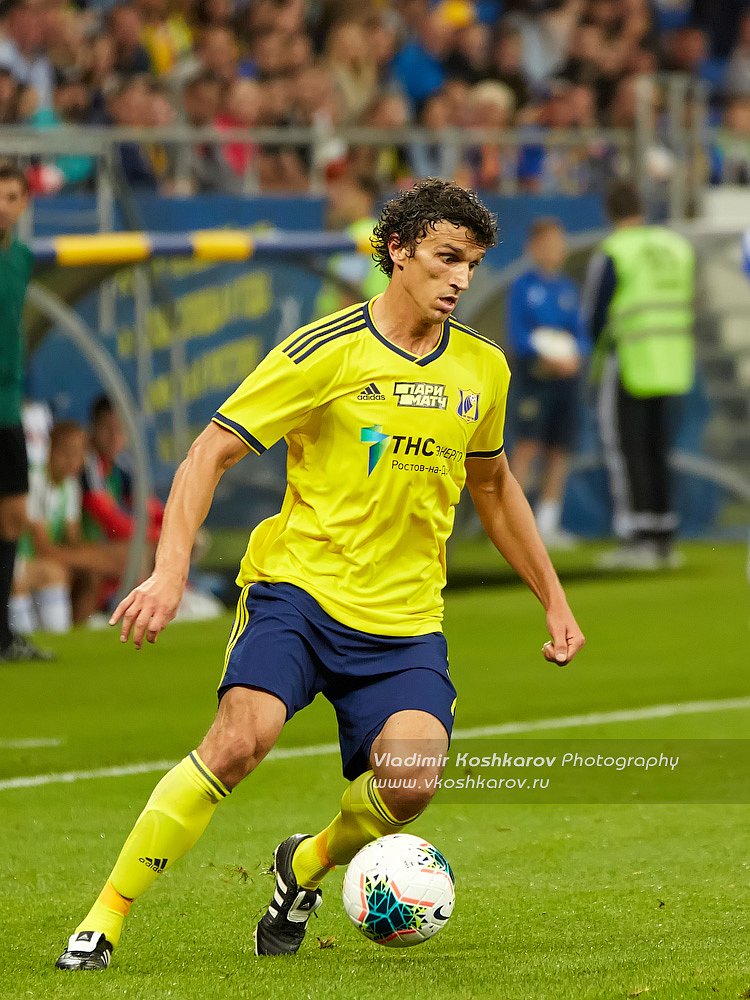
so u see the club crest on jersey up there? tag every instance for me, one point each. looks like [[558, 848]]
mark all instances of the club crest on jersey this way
[[468, 405], [426, 395]]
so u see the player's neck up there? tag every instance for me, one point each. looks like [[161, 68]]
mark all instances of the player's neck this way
[[6, 238], [399, 320]]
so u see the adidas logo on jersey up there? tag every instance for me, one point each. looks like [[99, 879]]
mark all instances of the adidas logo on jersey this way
[[371, 393], [155, 864]]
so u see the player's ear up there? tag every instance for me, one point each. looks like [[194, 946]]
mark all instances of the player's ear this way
[[397, 251]]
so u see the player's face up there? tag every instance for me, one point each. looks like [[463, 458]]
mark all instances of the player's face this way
[[66, 458], [440, 269], [108, 436], [13, 202], [549, 249]]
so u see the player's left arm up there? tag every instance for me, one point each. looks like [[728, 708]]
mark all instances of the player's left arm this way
[[509, 523]]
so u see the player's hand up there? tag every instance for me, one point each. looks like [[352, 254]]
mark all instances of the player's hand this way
[[148, 609], [567, 638]]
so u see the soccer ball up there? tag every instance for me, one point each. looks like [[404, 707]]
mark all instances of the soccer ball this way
[[399, 890]]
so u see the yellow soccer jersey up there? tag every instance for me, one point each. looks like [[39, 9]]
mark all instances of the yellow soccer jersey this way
[[377, 440]]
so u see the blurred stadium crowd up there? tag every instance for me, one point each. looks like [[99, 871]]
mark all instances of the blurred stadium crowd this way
[[543, 64]]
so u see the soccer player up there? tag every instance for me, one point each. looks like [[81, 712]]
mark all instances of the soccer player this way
[[547, 345], [16, 262], [388, 407]]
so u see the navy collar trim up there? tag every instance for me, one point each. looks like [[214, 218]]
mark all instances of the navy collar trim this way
[[421, 361]]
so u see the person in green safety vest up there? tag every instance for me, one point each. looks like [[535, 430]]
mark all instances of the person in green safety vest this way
[[639, 305]]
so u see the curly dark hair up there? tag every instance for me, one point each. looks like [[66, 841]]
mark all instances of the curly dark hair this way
[[415, 211]]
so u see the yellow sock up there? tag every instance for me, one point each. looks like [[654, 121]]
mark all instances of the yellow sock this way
[[175, 816], [363, 817]]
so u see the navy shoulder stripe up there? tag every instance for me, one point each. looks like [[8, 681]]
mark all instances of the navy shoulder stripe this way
[[327, 340], [327, 325], [477, 336]]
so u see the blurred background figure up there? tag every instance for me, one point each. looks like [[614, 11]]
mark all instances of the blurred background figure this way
[[548, 348], [354, 276], [107, 485], [16, 263], [58, 574], [640, 292]]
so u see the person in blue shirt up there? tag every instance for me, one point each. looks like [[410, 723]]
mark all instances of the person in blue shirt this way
[[548, 345]]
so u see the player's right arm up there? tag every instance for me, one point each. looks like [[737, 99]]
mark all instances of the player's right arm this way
[[153, 604]]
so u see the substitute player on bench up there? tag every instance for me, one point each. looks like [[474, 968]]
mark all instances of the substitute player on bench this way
[[388, 408]]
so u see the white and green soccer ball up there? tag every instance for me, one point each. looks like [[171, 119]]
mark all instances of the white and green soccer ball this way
[[399, 890]]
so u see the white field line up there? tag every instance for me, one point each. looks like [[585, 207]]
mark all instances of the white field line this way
[[30, 744], [476, 732]]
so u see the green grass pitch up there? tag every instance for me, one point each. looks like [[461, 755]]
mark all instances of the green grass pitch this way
[[554, 902]]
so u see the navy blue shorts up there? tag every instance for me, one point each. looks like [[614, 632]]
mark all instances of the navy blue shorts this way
[[545, 410], [284, 643]]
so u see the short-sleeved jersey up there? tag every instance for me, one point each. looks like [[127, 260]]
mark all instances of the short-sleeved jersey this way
[[377, 440]]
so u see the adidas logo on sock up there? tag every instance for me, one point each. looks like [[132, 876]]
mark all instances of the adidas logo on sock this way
[[155, 864], [371, 393]]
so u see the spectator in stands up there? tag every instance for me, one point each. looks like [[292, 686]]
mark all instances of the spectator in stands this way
[[732, 148], [214, 14], [299, 53], [269, 51], [71, 105], [687, 51], [469, 59], [382, 28], [738, 69], [507, 64], [202, 168], [219, 55], [22, 48], [439, 158], [546, 31], [9, 94], [388, 164], [166, 35], [126, 31], [548, 345], [317, 103], [107, 486], [418, 65], [241, 110], [491, 107], [353, 68], [128, 106]]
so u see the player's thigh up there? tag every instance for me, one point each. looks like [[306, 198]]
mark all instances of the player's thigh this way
[[247, 725], [269, 675]]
